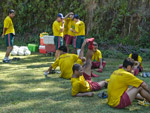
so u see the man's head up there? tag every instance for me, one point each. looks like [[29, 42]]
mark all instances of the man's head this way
[[71, 15], [135, 56], [76, 17], [77, 70], [62, 49], [11, 13], [128, 64], [95, 46], [60, 17]]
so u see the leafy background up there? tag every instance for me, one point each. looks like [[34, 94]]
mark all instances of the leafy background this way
[[111, 22]]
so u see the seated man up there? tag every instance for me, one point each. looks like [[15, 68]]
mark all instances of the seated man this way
[[65, 61], [97, 61], [81, 80], [138, 63], [119, 96]]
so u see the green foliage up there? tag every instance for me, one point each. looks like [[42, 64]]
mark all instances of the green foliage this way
[[113, 20]]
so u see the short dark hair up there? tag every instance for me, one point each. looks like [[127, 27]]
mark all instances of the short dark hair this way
[[76, 67], [11, 11], [63, 48], [95, 44], [134, 56], [127, 62]]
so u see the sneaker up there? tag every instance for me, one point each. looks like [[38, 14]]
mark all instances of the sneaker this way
[[52, 72], [45, 73], [6, 61], [144, 75], [102, 95], [148, 74], [58, 72]]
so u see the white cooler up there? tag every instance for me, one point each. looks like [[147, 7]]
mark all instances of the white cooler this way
[[48, 39]]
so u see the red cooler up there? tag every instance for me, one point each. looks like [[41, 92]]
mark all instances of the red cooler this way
[[50, 48], [42, 49]]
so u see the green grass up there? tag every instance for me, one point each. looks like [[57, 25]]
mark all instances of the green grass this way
[[24, 89]]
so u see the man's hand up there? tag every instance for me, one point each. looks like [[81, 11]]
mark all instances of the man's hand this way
[[63, 21], [3, 35]]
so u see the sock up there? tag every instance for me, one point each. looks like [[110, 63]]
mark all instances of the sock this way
[[90, 40], [78, 51], [6, 58]]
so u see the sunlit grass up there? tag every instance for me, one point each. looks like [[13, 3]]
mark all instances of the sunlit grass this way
[[24, 89]]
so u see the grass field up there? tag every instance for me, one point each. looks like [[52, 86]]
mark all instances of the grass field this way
[[24, 89]]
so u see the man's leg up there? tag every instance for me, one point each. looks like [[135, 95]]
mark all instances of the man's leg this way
[[132, 93], [102, 83], [67, 41], [88, 64], [8, 51], [9, 44]]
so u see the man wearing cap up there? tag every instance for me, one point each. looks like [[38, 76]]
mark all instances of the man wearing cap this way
[[79, 33], [58, 27], [8, 34]]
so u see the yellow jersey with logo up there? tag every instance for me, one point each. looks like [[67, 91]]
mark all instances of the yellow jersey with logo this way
[[80, 28], [97, 56], [79, 85], [65, 62], [56, 28], [118, 84], [9, 25]]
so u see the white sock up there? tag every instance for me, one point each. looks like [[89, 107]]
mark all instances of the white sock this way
[[78, 51], [6, 58]]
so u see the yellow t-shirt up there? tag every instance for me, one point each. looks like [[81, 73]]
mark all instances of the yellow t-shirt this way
[[65, 61], [56, 28], [65, 31], [80, 28], [118, 84], [71, 24], [79, 85], [97, 56], [9, 25], [79, 61], [139, 59]]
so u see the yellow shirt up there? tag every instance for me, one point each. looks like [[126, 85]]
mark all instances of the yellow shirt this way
[[139, 59], [118, 84], [65, 61], [80, 28], [65, 31], [9, 25], [71, 24], [79, 61], [97, 56], [56, 28], [79, 85]]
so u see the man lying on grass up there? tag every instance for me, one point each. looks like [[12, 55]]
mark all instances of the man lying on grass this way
[[81, 80], [65, 61], [119, 96]]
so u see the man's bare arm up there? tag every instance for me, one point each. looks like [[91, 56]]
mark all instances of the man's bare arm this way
[[4, 31], [89, 94]]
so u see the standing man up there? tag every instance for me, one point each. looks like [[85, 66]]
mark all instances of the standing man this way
[[69, 23], [79, 33], [8, 34], [58, 27]]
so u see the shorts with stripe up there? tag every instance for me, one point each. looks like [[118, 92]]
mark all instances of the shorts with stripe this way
[[77, 41], [58, 41], [9, 40]]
